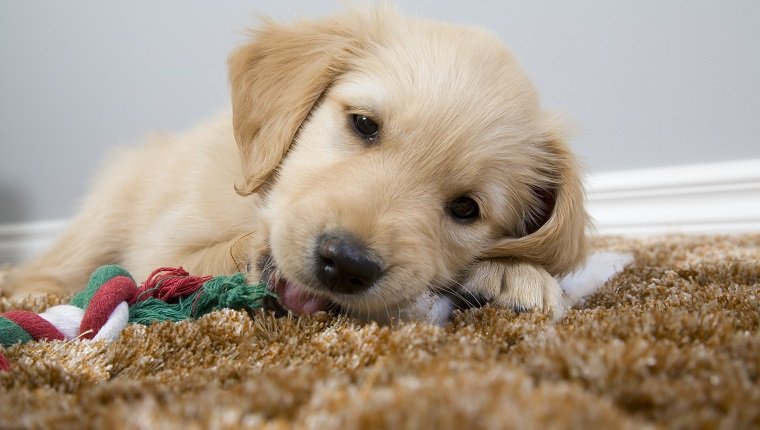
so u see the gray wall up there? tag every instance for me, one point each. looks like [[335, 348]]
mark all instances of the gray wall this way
[[648, 82]]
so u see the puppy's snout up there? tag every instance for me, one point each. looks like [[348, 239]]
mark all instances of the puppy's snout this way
[[344, 264]]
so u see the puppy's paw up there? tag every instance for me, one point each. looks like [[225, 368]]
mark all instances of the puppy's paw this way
[[517, 285]]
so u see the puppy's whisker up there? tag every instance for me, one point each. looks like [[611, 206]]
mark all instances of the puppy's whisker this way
[[397, 315], [454, 292], [232, 252], [478, 299], [387, 312], [366, 309], [347, 309], [464, 299]]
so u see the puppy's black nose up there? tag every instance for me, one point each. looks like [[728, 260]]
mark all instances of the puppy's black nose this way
[[344, 263]]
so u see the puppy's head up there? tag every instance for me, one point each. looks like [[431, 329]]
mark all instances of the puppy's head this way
[[392, 154]]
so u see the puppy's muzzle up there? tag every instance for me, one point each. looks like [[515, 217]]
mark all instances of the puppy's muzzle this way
[[344, 264]]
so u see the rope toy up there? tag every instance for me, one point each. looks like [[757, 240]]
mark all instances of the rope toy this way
[[112, 300]]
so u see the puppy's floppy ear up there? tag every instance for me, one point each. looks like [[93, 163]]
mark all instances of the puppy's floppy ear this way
[[555, 231], [275, 81]]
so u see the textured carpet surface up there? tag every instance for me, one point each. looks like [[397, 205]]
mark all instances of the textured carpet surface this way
[[672, 342]]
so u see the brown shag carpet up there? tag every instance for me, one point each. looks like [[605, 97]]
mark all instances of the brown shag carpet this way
[[672, 342]]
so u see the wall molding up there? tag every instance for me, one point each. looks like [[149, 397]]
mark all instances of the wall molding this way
[[715, 198], [721, 198], [21, 241]]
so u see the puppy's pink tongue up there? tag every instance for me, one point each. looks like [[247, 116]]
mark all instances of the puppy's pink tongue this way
[[299, 301]]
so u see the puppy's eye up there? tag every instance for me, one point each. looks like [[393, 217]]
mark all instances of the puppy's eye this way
[[364, 126], [464, 209]]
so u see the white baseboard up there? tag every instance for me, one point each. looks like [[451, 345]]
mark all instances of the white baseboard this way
[[718, 198], [19, 242], [721, 198]]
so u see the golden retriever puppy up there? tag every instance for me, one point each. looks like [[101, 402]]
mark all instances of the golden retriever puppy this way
[[368, 159]]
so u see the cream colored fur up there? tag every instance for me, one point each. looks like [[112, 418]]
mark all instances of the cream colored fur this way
[[457, 117]]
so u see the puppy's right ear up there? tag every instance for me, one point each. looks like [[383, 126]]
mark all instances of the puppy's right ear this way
[[275, 81]]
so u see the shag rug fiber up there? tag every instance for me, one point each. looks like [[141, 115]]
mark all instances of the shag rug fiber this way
[[671, 342]]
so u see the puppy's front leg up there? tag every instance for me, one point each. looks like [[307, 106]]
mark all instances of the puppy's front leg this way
[[518, 285], [223, 258]]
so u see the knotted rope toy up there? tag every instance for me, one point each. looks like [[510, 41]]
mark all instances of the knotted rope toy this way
[[112, 300]]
